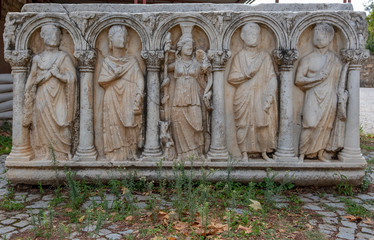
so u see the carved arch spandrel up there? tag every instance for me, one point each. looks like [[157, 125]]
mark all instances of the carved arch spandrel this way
[[134, 49], [199, 21], [353, 40], [273, 24], [60, 20], [106, 21]]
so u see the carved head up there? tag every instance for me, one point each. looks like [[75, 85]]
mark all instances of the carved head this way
[[51, 35], [323, 35], [185, 45], [117, 36], [251, 34]]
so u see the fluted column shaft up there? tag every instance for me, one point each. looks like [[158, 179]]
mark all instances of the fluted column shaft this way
[[21, 148], [285, 149], [218, 149], [86, 147], [152, 149]]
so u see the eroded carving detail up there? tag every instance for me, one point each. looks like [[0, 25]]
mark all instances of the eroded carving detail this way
[[322, 77], [49, 103], [255, 101], [286, 57], [18, 58], [153, 59], [86, 58], [355, 56], [219, 58], [123, 82]]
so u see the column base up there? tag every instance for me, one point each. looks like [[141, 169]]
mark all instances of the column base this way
[[218, 155], [21, 154], [285, 155], [351, 155], [85, 154], [152, 154]]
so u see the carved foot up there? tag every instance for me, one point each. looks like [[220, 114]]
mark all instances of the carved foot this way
[[265, 156], [321, 157], [301, 157], [245, 157]]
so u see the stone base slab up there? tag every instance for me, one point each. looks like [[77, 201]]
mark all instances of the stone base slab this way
[[308, 173]]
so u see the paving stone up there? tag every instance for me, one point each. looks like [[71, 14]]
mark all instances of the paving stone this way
[[10, 234], [48, 197], [313, 222], [336, 205], [280, 199], [341, 212], [347, 230], [305, 200], [368, 230], [368, 207], [327, 232], [26, 228], [348, 224], [20, 196], [330, 220], [327, 227], [110, 197], [141, 205], [21, 216], [365, 197], [104, 232], [114, 236], [73, 235], [89, 228], [312, 207], [6, 229], [346, 235], [141, 198], [356, 200], [363, 236], [281, 205], [38, 204], [114, 226], [21, 224], [312, 196], [8, 221], [127, 232], [327, 214], [237, 210], [32, 197]]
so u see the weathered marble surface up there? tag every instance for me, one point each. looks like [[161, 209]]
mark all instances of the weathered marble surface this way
[[187, 82]]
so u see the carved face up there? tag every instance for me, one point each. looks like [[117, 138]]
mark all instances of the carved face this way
[[119, 39], [51, 36], [321, 39], [187, 48], [250, 36]]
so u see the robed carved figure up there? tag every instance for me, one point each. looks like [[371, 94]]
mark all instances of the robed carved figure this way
[[322, 77], [123, 81], [255, 101], [50, 98], [191, 97]]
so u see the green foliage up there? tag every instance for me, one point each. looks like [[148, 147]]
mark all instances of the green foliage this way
[[370, 21], [344, 187], [5, 137]]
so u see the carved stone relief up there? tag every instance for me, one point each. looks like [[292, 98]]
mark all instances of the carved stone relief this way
[[252, 91], [50, 98], [121, 94], [186, 103], [322, 77], [110, 89]]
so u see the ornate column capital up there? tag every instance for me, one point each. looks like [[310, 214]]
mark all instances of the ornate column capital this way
[[285, 58], [219, 58], [153, 59], [355, 56], [18, 59], [86, 59]]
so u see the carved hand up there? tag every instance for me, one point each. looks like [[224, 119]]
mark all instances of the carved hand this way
[[207, 100], [268, 102], [137, 104], [43, 78], [165, 82]]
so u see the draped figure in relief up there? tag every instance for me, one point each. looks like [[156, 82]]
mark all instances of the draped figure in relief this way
[[322, 77], [50, 98], [191, 89], [255, 100], [123, 81]]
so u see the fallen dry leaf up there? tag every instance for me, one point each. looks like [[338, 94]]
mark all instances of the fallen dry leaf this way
[[68, 210], [81, 219], [245, 229], [180, 226], [352, 218], [256, 205], [172, 238], [368, 221], [124, 190], [129, 218]]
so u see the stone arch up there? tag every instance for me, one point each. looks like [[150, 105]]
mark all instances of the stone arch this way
[[333, 19], [116, 19], [200, 22], [53, 18], [268, 21]]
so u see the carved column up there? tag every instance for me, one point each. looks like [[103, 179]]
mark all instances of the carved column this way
[[21, 148], [86, 148], [285, 150], [352, 151], [218, 149], [152, 149]]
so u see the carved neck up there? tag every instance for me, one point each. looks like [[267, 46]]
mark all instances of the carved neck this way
[[51, 49], [119, 52], [186, 57], [323, 50]]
